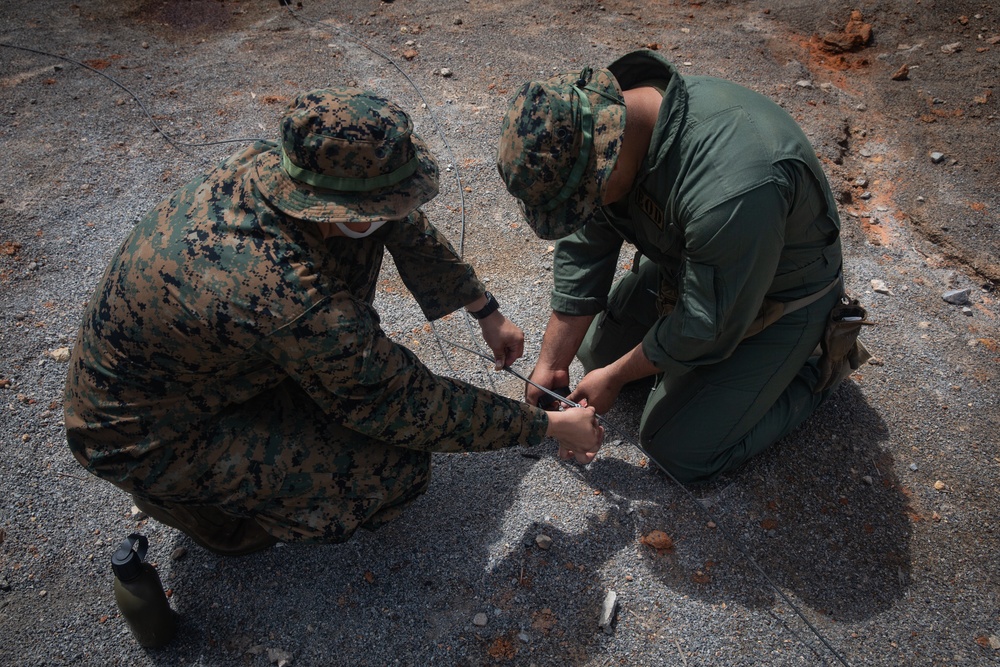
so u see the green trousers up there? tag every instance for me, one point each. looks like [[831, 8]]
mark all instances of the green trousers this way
[[714, 418]]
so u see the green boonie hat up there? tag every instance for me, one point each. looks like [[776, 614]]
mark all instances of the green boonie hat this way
[[346, 155], [558, 145]]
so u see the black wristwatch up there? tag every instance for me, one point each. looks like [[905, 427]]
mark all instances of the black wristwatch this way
[[487, 310]]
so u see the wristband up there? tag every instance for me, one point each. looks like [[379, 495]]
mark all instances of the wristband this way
[[487, 310]]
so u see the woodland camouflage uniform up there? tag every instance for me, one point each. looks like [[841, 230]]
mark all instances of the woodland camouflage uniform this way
[[231, 359]]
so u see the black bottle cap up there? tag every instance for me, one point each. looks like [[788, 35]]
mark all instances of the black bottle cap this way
[[127, 561]]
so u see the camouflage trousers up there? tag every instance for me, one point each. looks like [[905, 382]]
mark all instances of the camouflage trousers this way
[[282, 461]]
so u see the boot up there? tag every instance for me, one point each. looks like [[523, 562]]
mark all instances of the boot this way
[[218, 531]]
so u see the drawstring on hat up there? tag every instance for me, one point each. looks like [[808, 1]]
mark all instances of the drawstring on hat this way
[[586, 128]]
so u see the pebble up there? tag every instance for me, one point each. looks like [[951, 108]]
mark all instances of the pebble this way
[[861, 181], [137, 514], [480, 619], [608, 609], [913, 467], [523, 636], [60, 354], [178, 553], [954, 47], [543, 541], [804, 83], [966, 311], [4, 585], [939, 485], [957, 297], [279, 657], [937, 157], [867, 479], [865, 152], [995, 642], [866, 195], [880, 286], [445, 72]]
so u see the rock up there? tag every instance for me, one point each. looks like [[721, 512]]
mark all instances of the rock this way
[[855, 36], [957, 297], [913, 467], [880, 286], [480, 619], [524, 637], [178, 553], [902, 74], [804, 83], [410, 54], [608, 609], [939, 485], [995, 642], [937, 157], [445, 72], [861, 181], [867, 479], [543, 541], [60, 354], [138, 514], [279, 657], [457, 21], [966, 311], [954, 47]]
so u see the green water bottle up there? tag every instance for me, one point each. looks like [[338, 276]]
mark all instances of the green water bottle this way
[[140, 595]]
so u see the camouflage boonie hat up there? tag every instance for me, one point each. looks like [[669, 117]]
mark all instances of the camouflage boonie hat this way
[[346, 155], [558, 145]]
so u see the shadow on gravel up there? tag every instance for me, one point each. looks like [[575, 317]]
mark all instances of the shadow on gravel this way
[[820, 513]]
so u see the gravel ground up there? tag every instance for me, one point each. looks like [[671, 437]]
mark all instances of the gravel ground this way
[[876, 519]]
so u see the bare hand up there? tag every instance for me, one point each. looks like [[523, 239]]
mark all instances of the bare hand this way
[[548, 378], [599, 388], [579, 433], [504, 337]]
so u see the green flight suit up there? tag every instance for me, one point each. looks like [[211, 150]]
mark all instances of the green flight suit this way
[[730, 206]]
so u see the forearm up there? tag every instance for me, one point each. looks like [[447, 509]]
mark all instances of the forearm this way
[[563, 336], [632, 366]]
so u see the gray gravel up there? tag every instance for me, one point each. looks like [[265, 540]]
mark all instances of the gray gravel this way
[[877, 518]]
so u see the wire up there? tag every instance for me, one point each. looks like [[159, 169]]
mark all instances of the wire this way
[[704, 510], [179, 145]]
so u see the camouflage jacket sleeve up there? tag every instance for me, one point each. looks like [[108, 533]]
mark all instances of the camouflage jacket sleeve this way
[[432, 271], [338, 354]]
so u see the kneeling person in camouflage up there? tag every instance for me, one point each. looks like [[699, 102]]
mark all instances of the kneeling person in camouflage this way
[[230, 372]]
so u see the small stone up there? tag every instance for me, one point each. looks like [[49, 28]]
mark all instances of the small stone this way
[[939, 485], [867, 479], [866, 195], [804, 83], [145, 45], [445, 72], [480, 619], [178, 553], [937, 157], [957, 297], [865, 152], [138, 514], [902, 74], [995, 642], [608, 609], [861, 181], [457, 21], [880, 287], [523, 636], [954, 47], [42, 594], [279, 657], [913, 467], [966, 311], [4, 585], [60, 354], [410, 54], [543, 541]]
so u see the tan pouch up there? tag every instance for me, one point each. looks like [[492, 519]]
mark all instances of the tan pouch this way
[[843, 352]]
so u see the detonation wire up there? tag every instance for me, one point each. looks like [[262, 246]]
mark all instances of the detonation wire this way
[[179, 145], [704, 510]]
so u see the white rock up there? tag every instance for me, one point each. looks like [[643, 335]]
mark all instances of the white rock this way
[[880, 286], [480, 619], [608, 610]]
